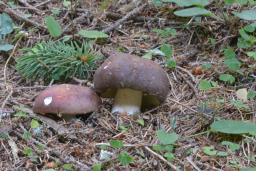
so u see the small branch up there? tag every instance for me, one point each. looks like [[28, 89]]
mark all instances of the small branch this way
[[193, 164], [21, 17], [125, 18], [161, 158], [30, 7], [51, 123]]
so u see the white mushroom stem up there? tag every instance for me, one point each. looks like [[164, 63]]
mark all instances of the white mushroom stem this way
[[127, 101]]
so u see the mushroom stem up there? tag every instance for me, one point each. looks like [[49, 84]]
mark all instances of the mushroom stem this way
[[127, 101]]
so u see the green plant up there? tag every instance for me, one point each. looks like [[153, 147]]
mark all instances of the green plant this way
[[67, 166], [230, 60], [57, 61], [206, 85], [6, 27], [53, 26], [166, 32], [92, 34], [210, 151], [234, 127], [227, 78], [96, 167], [116, 144], [247, 38], [165, 145], [34, 124], [232, 146], [125, 158]]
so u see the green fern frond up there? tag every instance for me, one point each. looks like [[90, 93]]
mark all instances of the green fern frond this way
[[57, 61]]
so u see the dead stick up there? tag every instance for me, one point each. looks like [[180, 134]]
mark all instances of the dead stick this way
[[161, 158], [30, 7], [51, 123], [125, 18], [21, 17]]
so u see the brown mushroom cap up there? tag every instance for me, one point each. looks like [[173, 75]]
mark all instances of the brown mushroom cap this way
[[66, 99], [122, 70]]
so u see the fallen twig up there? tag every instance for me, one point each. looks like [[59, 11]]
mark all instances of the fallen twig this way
[[161, 158], [193, 164], [21, 17], [126, 17], [49, 122], [30, 7]]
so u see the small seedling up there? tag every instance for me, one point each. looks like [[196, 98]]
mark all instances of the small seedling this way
[[205, 85], [116, 143], [57, 61], [227, 78], [125, 158], [96, 167], [67, 167], [141, 122]]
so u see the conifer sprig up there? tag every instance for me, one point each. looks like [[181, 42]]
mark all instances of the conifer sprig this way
[[57, 61]]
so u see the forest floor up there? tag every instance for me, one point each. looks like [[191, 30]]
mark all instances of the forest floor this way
[[188, 111]]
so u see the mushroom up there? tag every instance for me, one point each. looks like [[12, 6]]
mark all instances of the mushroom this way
[[134, 82], [66, 100]]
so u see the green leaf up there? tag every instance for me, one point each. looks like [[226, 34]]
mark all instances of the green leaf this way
[[205, 85], [241, 43], [222, 154], [171, 63], [68, 166], [158, 147], [239, 104], [34, 124], [167, 50], [230, 59], [169, 156], [194, 11], [186, 3], [166, 32], [251, 54], [21, 114], [96, 167], [251, 94], [232, 146], [5, 47], [207, 66], [209, 150], [229, 2], [6, 24], [53, 26], [166, 138], [234, 127], [92, 34], [66, 3], [250, 28], [27, 135], [28, 151], [246, 14], [125, 158], [116, 143], [141, 122], [227, 78], [248, 169]]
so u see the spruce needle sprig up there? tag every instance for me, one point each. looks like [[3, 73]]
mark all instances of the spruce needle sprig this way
[[57, 61]]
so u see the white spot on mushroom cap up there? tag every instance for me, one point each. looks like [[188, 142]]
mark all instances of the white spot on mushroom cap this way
[[47, 101]]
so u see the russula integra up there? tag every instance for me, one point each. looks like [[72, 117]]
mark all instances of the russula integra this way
[[66, 100], [134, 82]]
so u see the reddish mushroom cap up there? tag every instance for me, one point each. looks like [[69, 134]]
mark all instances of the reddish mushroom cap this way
[[66, 99]]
